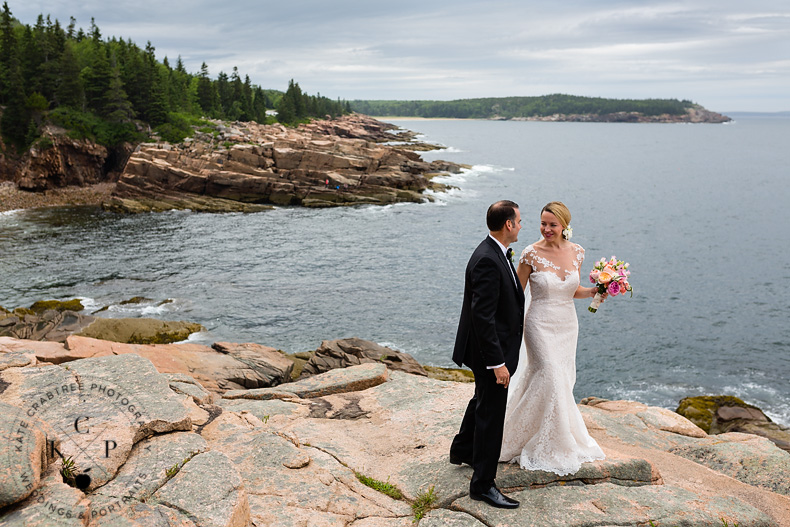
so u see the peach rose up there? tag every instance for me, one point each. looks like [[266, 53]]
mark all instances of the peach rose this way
[[605, 277]]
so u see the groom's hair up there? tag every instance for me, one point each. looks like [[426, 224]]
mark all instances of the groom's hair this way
[[499, 212]]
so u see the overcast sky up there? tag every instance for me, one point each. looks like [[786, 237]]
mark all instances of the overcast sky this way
[[727, 55]]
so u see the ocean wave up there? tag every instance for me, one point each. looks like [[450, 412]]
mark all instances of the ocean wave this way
[[442, 198], [449, 150], [144, 309], [12, 212], [89, 304]]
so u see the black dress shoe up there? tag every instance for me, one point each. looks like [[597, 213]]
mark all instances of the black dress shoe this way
[[458, 460], [495, 498]]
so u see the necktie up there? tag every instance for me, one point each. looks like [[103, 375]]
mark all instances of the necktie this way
[[510, 261]]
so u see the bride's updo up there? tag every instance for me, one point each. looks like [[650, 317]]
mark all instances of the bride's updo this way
[[559, 210]]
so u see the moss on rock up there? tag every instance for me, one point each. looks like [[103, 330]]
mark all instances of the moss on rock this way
[[450, 374], [58, 305], [135, 300], [140, 330], [702, 410]]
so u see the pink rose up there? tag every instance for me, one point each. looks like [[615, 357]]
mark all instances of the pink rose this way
[[614, 288], [594, 275]]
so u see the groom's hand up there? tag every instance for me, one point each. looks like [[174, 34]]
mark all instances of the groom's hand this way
[[502, 376]]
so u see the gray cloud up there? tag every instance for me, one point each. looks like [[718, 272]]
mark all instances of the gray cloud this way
[[727, 55]]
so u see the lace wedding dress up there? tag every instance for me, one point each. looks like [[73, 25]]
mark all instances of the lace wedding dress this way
[[544, 429]]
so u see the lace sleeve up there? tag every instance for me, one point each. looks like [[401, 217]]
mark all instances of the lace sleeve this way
[[528, 256], [577, 262]]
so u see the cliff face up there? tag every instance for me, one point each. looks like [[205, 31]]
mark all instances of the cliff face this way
[[250, 167], [56, 161]]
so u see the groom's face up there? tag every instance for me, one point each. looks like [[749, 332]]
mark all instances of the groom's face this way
[[513, 226]]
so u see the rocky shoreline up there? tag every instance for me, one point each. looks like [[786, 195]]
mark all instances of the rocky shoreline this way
[[230, 167], [12, 198], [353, 434]]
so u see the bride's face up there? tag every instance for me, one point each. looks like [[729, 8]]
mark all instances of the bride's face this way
[[550, 227]]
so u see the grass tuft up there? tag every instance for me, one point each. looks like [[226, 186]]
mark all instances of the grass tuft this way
[[423, 503], [386, 488]]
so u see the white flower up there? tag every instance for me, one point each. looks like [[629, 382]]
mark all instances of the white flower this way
[[567, 232]]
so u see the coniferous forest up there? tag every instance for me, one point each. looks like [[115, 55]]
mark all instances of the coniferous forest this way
[[515, 107], [112, 91]]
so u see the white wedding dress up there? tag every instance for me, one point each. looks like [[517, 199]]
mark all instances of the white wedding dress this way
[[544, 429]]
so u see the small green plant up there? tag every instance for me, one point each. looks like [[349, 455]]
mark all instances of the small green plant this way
[[385, 488], [725, 524], [265, 418], [423, 503], [172, 471], [68, 468]]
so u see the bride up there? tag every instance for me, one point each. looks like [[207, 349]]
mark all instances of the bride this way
[[544, 429]]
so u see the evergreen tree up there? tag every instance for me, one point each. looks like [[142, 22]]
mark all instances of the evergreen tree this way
[[205, 90], [8, 53], [69, 88], [117, 108], [70, 29], [16, 117], [224, 93], [158, 104], [96, 77], [258, 105]]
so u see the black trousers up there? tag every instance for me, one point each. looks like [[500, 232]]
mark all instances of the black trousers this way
[[480, 438]]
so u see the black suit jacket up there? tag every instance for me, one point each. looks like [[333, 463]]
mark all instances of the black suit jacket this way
[[492, 315]]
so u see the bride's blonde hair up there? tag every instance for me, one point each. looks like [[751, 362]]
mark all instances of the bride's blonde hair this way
[[562, 213]]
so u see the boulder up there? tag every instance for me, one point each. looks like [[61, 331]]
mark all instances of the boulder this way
[[273, 366], [23, 454], [50, 325], [214, 371], [139, 330], [351, 379], [718, 414], [342, 353], [97, 409]]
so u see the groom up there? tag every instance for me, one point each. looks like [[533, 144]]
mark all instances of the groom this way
[[488, 341]]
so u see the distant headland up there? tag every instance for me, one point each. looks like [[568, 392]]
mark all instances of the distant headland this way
[[557, 107]]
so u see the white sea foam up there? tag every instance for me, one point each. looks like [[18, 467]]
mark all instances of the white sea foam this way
[[156, 310], [89, 304], [450, 150]]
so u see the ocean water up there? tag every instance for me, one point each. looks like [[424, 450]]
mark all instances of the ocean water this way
[[699, 211]]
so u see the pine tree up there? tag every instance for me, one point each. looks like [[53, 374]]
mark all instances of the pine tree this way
[[69, 88], [96, 78], [8, 53], [224, 93], [117, 107], [16, 117], [158, 105], [205, 91]]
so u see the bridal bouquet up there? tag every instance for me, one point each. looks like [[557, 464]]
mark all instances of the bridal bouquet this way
[[609, 277]]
